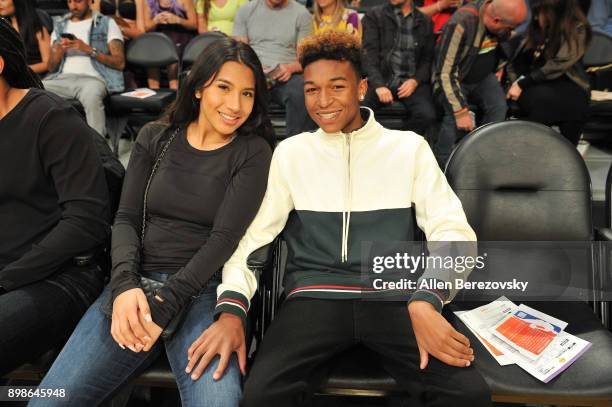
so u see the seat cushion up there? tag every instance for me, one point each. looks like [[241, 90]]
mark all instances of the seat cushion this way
[[155, 103], [586, 378], [358, 371], [601, 108]]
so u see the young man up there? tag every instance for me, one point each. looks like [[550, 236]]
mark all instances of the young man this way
[[399, 43], [467, 57], [88, 60], [273, 28], [349, 182]]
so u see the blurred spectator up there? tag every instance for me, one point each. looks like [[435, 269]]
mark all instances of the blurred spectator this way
[[273, 28], [53, 208], [467, 58], [333, 15], [217, 15], [128, 14], [600, 15], [87, 58], [399, 44], [25, 20], [440, 11], [177, 19], [552, 86]]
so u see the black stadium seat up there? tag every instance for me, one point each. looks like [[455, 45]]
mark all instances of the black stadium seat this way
[[122, 109], [522, 181]]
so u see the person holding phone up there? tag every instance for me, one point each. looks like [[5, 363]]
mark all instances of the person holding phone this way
[[87, 59]]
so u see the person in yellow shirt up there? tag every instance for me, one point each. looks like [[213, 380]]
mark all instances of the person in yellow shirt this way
[[334, 15], [217, 15]]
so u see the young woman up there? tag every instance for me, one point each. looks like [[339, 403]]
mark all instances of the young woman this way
[[217, 15], [178, 20], [53, 209], [128, 14], [333, 15], [25, 19], [548, 80], [193, 185]]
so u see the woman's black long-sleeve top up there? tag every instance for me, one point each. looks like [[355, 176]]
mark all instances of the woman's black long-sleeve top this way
[[198, 207]]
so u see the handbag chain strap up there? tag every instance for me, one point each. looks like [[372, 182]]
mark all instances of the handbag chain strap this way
[[146, 192]]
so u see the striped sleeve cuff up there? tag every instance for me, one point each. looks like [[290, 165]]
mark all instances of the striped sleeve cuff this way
[[233, 303], [430, 296]]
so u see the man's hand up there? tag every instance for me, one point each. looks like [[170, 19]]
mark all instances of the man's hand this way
[[76, 45], [283, 73], [130, 309], [384, 95], [436, 337], [407, 88], [464, 121], [222, 338], [514, 93]]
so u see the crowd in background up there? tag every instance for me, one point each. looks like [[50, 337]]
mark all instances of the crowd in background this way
[[448, 82]]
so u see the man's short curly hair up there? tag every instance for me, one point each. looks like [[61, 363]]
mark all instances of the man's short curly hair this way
[[333, 45]]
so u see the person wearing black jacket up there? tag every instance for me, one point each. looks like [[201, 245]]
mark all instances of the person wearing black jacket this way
[[399, 43], [54, 209]]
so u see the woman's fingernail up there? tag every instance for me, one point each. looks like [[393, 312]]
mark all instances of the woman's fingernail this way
[[194, 377], [148, 318], [146, 338], [131, 347], [467, 363], [188, 370], [122, 346]]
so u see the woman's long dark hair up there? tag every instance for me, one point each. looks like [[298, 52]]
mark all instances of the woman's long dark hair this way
[[186, 108], [563, 20], [28, 21], [16, 71]]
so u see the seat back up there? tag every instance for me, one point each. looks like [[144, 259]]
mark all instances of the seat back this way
[[599, 52], [520, 180], [152, 50], [197, 44]]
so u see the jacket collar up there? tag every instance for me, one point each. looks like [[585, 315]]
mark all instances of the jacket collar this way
[[369, 128]]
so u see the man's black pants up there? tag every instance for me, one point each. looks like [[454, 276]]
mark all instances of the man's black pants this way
[[307, 333], [420, 108]]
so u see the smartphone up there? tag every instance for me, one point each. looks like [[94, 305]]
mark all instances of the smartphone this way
[[68, 36]]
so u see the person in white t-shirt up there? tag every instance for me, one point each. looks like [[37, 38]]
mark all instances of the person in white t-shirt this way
[[88, 59]]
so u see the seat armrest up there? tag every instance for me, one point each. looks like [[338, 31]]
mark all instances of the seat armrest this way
[[261, 258], [603, 234]]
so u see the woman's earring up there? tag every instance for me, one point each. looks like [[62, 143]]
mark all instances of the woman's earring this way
[[361, 97], [198, 95]]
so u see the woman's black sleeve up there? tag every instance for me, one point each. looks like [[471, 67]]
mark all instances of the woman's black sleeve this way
[[125, 248]]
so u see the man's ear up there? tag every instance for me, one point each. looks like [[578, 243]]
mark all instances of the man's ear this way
[[363, 87]]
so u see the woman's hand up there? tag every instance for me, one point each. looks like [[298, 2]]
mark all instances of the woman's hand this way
[[514, 93], [130, 310], [222, 338]]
